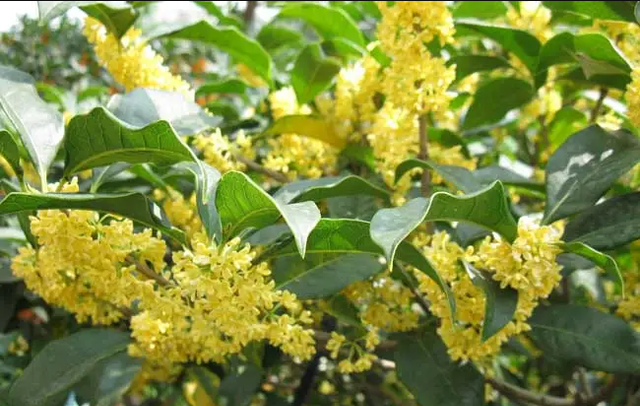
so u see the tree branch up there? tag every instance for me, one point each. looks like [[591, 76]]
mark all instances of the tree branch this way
[[253, 165], [148, 272], [596, 109]]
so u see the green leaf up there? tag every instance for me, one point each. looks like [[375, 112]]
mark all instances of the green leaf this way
[[601, 10], [494, 99], [347, 236], [608, 225], [469, 64], [9, 150], [565, 122], [479, 9], [432, 377], [6, 275], [273, 37], [329, 22], [9, 296], [108, 380], [344, 310], [360, 153], [342, 50], [492, 173], [585, 167], [520, 43], [326, 274], [100, 139], [39, 125], [585, 336], [228, 39], [604, 261], [487, 208], [223, 19], [593, 52], [460, 177], [225, 86], [116, 16], [238, 389], [324, 188], [131, 205], [242, 204], [311, 126], [142, 107], [313, 73], [500, 304], [361, 207], [207, 179], [64, 363]]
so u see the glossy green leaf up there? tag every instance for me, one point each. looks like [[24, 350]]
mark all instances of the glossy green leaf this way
[[273, 37], [432, 377], [347, 236], [226, 86], [116, 16], [460, 177], [108, 380], [308, 125], [39, 126], [324, 188], [206, 184], [9, 150], [608, 225], [520, 43], [64, 363], [601, 10], [489, 174], [344, 310], [362, 154], [500, 304], [100, 139], [469, 64], [324, 275], [131, 205], [494, 99], [238, 389], [313, 73], [487, 208], [361, 207], [586, 336], [142, 107], [242, 204], [228, 39], [604, 261], [583, 168], [479, 9], [329, 22], [565, 122]]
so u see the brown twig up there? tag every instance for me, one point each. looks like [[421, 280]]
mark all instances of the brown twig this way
[[148, 272], [518, 394], [253, 165], [250, 11], [596, 109], [423, 134]]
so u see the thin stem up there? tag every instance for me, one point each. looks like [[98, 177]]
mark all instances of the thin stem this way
[[148, 272], [306, 382], [423, 134], [250, 11], [253, 165], [596, 109]]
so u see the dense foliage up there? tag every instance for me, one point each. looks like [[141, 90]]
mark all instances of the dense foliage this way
[[322, 203]]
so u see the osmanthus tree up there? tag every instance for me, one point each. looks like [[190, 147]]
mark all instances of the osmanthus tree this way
[[354, 203]]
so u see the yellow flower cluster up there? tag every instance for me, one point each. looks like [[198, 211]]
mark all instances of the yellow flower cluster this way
[[629, 307], [633, 98], [130, 60], [18, 347], [219, 152], [292, 154], [358, 358], [409, 23], [209, 304], [532, 17], [383, 303], [626, 36], [528, 266], [182, 213]]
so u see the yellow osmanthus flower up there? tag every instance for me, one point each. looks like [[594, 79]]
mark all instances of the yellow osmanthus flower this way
[[130, 60], [629, 307], [359, 358], [528, 266], [18, 347], [626, 36], [219, 152], [532, 17], [292, 154], [182, 212], [633, 98]]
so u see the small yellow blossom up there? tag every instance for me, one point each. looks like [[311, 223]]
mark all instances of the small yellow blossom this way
[[219, 152], [532, 17], [18, 347]]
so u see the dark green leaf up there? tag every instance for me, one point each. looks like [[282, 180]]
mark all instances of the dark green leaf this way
[[494, 99], [604, 261], [238, 389], [10, 293], [608, 225], [361, 207], [432, 377], [131, 205], [215, 11], [228, 39], [342, 49], [479, 9], [360, 153], [116, 17], [64, 363], [313, 73], [308, 125], [108, 380], [584, 167], [487, 207], [344, 310], [142, 107], [207, 179], [460, 177], [6, 275], [9, 150], [520, 43], [273, 37], [242, 204], [100, 139], [585, 336], [329, 22], [324, 275], [489, 174], [601, 10], [468, 64], [324, 188], [231, 85], [500, 304], [39, 125]]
